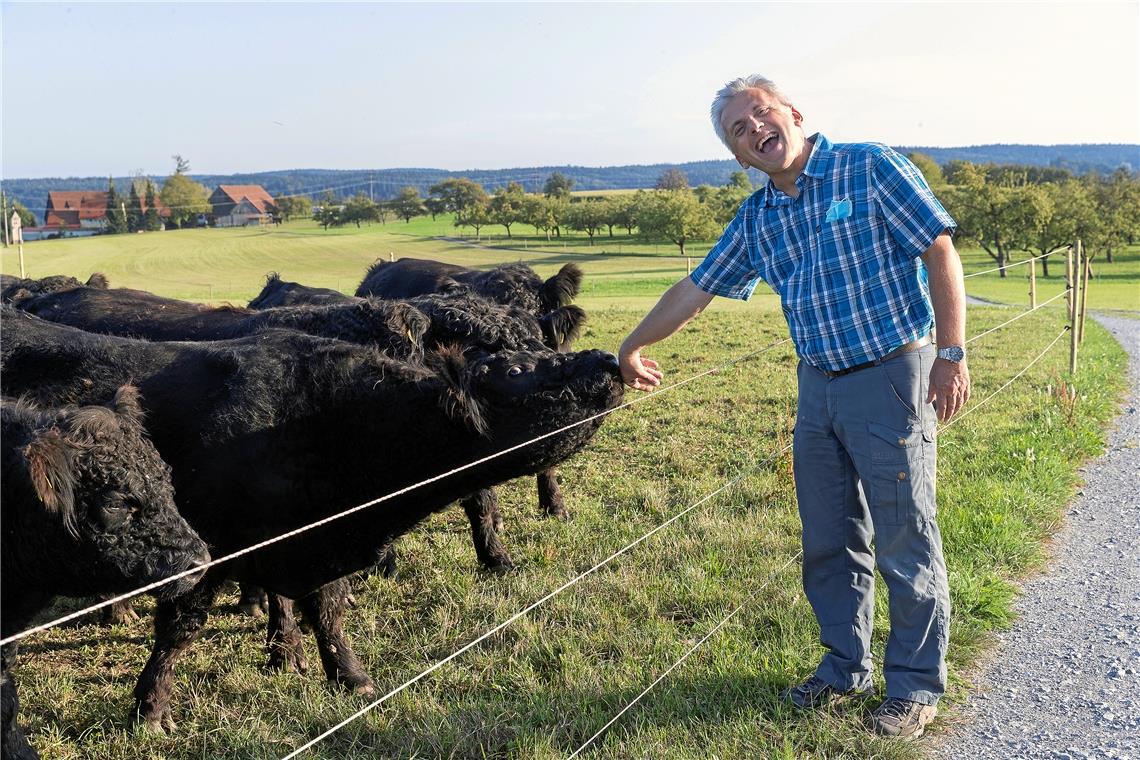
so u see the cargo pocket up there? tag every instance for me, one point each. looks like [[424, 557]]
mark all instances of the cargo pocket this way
[[898, 472]]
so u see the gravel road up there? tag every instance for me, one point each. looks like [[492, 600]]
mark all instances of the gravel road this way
[[1064, 682]]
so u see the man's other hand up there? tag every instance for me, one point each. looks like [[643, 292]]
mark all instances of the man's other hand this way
[[949, 387], [637, 372]]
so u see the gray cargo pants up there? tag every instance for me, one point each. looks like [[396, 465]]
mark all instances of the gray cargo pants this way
[[864, 452]]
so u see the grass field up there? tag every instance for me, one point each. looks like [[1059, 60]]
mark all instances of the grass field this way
[[544, 685]]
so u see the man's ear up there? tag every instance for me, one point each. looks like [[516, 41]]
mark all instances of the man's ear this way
[[742, 162], [797, 117]]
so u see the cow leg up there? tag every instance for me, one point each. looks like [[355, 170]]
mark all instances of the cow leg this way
[[324, 609], [550, 495], [252, 600], [14, 744], [481, 508], [177, 623], [283, 637]]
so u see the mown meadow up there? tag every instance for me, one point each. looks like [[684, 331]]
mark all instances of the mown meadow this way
[[544, 685]]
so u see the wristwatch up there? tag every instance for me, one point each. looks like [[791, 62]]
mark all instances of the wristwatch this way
[[952, 353]]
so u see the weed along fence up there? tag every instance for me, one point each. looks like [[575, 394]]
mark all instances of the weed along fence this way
[[1075, 293]]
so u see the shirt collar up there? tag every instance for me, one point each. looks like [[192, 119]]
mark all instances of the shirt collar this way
[[815, 168]]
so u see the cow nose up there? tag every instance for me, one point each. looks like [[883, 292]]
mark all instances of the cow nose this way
[[610, 360]]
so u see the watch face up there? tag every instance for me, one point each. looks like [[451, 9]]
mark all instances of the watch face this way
[[953, 353]]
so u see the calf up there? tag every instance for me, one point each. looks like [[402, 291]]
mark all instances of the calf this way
[[278, 292], [271, 432], [88, 507]]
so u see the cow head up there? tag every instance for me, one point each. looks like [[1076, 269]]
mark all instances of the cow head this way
[[94, 472], [510, 396]]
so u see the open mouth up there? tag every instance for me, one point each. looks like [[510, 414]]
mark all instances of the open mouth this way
[[768, 143]]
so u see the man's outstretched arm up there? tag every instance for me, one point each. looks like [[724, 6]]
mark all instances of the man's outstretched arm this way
[[677, 306]]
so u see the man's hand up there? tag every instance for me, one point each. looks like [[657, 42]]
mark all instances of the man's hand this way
[[949, 387], [637, 372]]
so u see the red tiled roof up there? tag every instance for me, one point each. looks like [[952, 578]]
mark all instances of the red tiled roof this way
[[74, 205], [255, 193]]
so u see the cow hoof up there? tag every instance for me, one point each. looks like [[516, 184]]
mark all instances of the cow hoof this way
[[294, 662], [253, 603], [501, 566], [120, 613], [157, 723], [364, 690]]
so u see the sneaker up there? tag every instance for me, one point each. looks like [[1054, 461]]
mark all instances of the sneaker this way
[[814, 692], [902, 718]]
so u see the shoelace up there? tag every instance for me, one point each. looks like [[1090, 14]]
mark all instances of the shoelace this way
[[895, 708]]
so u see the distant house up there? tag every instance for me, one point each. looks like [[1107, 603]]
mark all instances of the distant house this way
[[76, 211], [242, 205]]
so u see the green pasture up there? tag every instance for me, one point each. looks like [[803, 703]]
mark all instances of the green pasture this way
[[541, 687]]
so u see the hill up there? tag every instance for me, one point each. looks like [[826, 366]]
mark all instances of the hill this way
[[385, 183]]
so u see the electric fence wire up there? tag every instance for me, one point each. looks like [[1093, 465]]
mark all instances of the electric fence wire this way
[[1015, 263], [423, 674], [353, 510]]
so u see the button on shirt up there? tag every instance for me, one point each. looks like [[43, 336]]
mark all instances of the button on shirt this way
[[843, 256]]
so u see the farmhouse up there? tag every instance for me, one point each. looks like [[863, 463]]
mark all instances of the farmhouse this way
[[241, 205], [78, 213]]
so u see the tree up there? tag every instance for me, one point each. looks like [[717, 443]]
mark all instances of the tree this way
[[930, 170], [672, 179], [676, 216], [360, 208], [185, 198], [506, 206], [10, 204], [740, 181], [459, 195], [999, 219], [477, 215], [557, 186], [435, 206], [621, 212], [116, 216], [151, 220], [290, 206], [588, 216], [408, 204], [134, 210], [329, 212]]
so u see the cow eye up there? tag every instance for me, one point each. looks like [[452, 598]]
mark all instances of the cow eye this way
[[515, 371]]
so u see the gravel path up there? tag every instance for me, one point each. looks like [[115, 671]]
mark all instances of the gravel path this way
[[1064, 682]]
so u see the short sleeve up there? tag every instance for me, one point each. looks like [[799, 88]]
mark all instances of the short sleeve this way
[[912, 213], [727, 269]]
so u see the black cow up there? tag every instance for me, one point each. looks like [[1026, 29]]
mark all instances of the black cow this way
[[278, 292], [274, 431], [88, 507], [515, 284], [14, 288]]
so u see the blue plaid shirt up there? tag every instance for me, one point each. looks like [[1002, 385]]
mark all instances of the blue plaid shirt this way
[[843, 255]]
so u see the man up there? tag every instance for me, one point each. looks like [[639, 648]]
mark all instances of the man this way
[[859, 250]]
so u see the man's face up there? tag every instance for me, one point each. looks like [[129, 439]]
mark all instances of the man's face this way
[[764, 133]]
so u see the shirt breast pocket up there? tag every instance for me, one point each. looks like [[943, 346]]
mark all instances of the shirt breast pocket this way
[[844, 220]]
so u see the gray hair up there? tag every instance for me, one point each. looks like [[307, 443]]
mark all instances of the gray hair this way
[[736, 86]]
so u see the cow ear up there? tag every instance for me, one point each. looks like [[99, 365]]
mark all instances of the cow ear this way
[[561, 289], [458, 401], [562, 326], [98, 280], [128, 403], [449, 286], [410, 323], [48, 462]]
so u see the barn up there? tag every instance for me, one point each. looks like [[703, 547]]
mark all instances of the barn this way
[[242, 205]]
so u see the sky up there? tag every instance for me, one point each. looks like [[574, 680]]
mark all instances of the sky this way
[[98, 89]]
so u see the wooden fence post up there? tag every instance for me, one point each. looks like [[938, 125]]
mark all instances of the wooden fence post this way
[[1069, 278], [1032, 284], [1086, 270], [1073, 310]]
